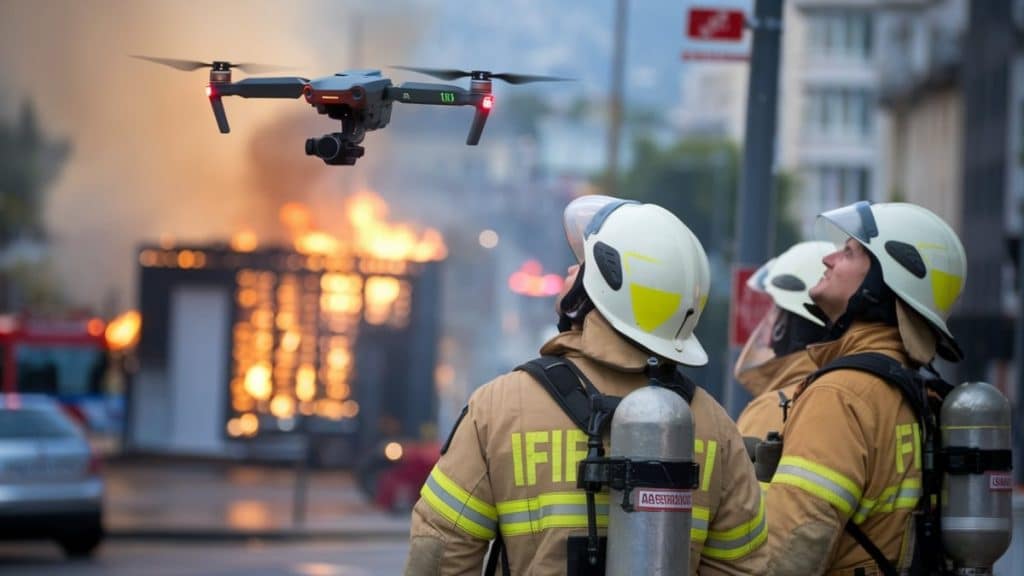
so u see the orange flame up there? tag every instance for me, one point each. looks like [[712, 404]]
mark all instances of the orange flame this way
[[370, 235], [123, 331]]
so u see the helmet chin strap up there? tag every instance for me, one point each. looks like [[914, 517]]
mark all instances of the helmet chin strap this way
[[872, 302], [575, 305]]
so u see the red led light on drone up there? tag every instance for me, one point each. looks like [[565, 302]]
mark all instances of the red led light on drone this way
[[210, 92], [487, 103]]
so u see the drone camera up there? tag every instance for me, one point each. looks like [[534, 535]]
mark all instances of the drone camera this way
[[334, 149]]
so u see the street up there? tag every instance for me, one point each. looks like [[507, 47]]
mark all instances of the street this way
[[252, 558]]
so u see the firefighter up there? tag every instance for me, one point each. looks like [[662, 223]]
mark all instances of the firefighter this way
[[509, 467], [773, 361], [852, 456]]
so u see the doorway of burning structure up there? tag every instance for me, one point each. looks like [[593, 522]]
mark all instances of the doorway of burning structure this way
[[196, 367]]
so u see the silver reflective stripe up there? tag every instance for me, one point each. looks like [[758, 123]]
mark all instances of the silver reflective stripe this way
[[699, 524], [740, 541], [906, 493], [820, 481], [968, 523], [460, 506], [550, 510]]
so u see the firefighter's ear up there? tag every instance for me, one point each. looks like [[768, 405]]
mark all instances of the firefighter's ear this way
[[454, 428]]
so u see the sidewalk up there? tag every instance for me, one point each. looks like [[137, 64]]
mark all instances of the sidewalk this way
[[153, 499]]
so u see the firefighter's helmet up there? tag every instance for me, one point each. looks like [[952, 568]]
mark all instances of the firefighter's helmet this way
[[788, 277], [922, 259], [644, 270]]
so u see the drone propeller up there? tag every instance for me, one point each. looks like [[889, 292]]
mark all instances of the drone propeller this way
[[190, 65], [452, 74]]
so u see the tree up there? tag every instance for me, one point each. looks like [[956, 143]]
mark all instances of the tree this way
[[29, 164]]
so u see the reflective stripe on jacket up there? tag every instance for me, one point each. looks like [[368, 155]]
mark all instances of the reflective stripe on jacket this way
[[511, 467], [851, 451]]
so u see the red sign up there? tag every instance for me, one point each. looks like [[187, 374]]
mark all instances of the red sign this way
[[712, 24], [747, 307]]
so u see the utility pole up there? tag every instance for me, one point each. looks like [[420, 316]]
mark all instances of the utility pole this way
[[615, 105], [757, 192]]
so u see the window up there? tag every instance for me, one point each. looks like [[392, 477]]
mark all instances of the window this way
[[839, 113], [839, 34], [60, 370], [839, 185]]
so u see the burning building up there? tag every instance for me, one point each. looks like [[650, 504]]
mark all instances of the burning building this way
[[243, 347]]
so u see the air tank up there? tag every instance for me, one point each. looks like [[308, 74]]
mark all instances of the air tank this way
[[976, 503], [653, 538]]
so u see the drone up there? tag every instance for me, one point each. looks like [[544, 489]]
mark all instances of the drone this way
[[360, 99]]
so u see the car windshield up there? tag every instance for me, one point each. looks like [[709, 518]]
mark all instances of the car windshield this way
[[31, 423]]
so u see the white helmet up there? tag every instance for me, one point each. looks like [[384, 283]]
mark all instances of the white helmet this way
[[921, 257], [644, 270], [788, 277]]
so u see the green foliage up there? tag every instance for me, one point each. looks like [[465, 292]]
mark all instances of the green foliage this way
[[29, 163]]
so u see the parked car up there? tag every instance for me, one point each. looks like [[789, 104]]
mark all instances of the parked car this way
[[50, 486]]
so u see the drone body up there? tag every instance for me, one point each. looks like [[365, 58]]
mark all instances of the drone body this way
[[360, 99]]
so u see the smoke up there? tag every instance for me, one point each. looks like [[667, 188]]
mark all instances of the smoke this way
[[147, 159]]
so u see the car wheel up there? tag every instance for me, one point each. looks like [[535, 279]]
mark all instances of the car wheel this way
[[82, 541]]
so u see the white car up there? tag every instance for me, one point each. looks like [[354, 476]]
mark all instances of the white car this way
[[50, 485]]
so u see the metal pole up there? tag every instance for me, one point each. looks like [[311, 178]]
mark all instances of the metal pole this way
[[299, 497], [1018, 355], [615, 106], [756, 193]]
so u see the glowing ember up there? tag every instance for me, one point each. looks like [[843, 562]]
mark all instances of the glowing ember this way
[[123, 330]]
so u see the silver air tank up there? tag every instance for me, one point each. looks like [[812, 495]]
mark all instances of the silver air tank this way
[[976, 504], [651, 423]]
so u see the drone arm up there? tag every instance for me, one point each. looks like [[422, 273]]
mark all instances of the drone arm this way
[[286, 87], [477, 128], [427, 93], [218, 113]]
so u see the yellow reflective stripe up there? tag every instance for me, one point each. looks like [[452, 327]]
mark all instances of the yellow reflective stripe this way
[[819, 481], [739, 541], [469, 514], [897, 497], [549, 510], [709, 464], [699, 524]]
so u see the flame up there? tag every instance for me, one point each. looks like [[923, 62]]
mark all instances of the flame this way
[[123, 331], [257, 381], [377, 238], [244, 241], [296, 217], [366, 233]]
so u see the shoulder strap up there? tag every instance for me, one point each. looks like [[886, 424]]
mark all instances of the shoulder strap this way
[[566, 384], [886, 368], [683, 385], [576, 395]]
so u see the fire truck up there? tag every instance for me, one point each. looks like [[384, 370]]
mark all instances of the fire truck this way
[[76, 360]]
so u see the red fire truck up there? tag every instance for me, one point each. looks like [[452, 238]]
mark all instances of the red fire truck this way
[[65, 358]]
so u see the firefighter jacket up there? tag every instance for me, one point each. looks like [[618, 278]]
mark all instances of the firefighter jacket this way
[[851, 451], [764, 414], [511, 465]]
